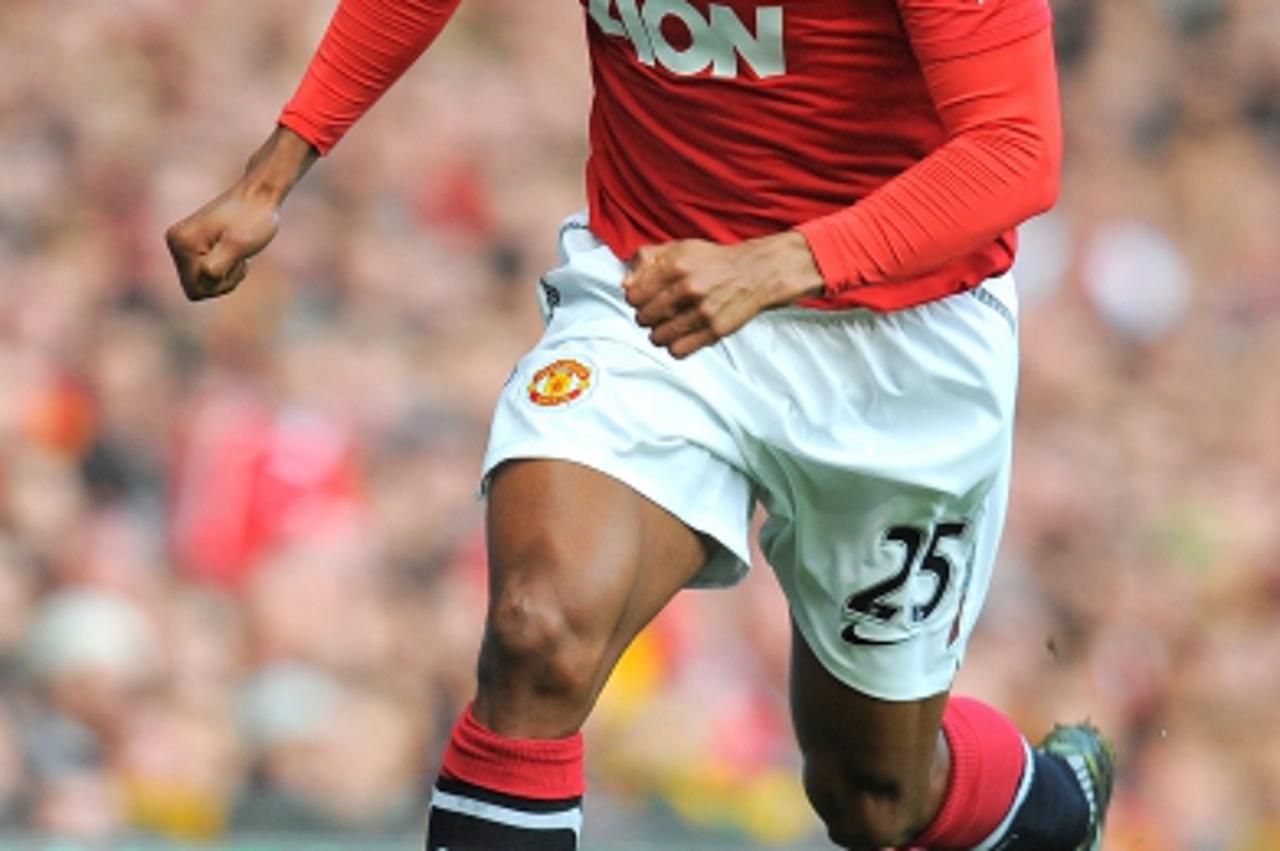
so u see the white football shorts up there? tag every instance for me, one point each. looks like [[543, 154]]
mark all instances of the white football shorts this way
[[878, 443]]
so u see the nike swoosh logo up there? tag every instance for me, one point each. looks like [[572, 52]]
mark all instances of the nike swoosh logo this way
[[850, 634]]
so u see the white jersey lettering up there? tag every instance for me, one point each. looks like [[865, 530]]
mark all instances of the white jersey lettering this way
[[717, 42]]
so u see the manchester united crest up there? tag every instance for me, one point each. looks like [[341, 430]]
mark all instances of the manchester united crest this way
[[561, 382]]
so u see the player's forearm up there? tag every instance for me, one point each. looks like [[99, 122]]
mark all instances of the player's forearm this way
[[999, 167], [369, 44], [277, 165]]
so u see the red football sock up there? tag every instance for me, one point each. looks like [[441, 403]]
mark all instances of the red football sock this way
[[988, 757], [497, 794], [540, 769]]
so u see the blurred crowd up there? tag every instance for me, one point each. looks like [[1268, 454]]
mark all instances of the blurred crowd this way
[[241, 555]]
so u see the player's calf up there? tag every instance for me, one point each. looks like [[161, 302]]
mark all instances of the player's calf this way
[[874, 769], [866, 812]]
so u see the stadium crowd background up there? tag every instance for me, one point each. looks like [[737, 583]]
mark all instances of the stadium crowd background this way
[[241, 561]]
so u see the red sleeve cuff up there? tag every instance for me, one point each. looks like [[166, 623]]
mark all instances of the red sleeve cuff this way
[[309, 130], [824, 238]]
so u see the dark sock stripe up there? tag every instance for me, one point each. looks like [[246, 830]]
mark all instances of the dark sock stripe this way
[[459, 832], [465, 817], [455, 786]]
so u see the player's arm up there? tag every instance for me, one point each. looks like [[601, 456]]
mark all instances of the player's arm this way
[[999, 166], [368, 45], [997, 100]]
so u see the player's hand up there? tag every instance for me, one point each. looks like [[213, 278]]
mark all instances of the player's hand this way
[[212, 247], [692, 293]]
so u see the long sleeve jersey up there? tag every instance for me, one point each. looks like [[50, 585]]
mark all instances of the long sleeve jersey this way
[[904, 138]]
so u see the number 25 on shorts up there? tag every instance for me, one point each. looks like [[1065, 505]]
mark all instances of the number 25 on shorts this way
[[882, 605]]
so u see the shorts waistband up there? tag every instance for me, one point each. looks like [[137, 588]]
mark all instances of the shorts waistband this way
[[998, 293]]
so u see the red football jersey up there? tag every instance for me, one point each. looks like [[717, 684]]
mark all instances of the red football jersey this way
[[733, 119]]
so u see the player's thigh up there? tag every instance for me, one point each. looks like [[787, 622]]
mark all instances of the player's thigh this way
[[873, 769], [611, 557]]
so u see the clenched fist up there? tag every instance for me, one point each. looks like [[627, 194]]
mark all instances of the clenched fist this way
[[692, 293], [212, 247]]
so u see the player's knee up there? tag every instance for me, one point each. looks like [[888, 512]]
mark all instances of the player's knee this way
[[865, 812], [538, 642]]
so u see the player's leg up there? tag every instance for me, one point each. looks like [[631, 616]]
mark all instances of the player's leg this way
[[890, 760], [579, 563], [875, 771], [939, 773], [585, 545], [886, 492]]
